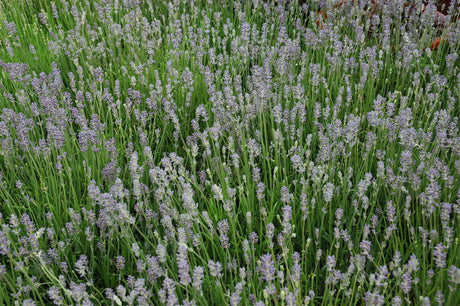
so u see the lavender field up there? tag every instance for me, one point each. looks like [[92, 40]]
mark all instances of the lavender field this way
[[234, 152]]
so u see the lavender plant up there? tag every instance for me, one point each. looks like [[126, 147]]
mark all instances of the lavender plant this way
[[228, 152]]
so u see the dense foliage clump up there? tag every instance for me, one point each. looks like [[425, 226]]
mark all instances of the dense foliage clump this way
[[229, 152]]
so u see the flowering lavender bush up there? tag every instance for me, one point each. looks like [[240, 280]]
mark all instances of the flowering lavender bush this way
[[228, 152]]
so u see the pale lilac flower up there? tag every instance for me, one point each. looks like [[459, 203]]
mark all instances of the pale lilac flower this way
[[374, 298], [55, 295], [328, 192], [81, 266], [198, 274], [28, 223], [270, 230], [19, 184], [381, 277], [397, 301], [446, 209], [78, 292], [391, 212], [184, 274], [223, 229], [98, 74], [217, 191], [365, 247], [4, 243], [439, 254], [405, 161], [413, 264], [256, 174], [246, 249], [319, 253], [215, 268], [235, 159], [296, 270], [286, 197], [248, 218], [267, 267], [235, 297], [338, 216], [287, 216], [304, 206], [297, 163], [439, 298], [169, 286], [454, 275], [161, 252], [260, 191], [120, 262], [330, 262], [253, 238], [425, 301], [451, 59], [406, 282], [28, 302], [10, 27]]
